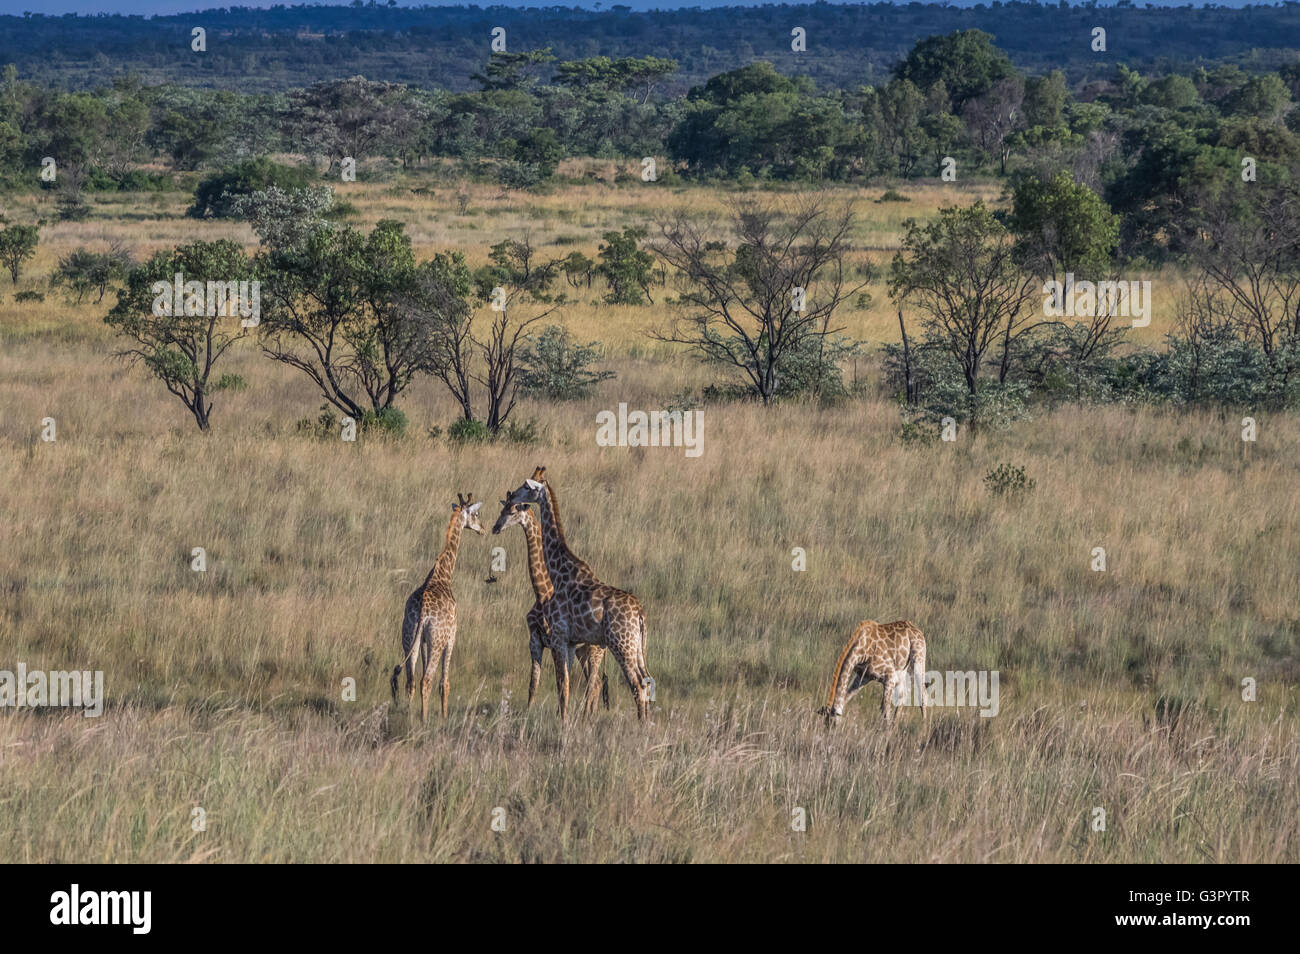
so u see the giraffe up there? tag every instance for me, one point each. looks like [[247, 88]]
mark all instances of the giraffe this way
[[888, 653], [429, 623], [583, 609], [590, 656]]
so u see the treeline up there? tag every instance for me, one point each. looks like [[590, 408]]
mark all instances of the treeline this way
[[273, 50], [955, 102]]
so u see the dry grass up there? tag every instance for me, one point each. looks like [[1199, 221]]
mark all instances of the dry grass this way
[[1118, 689]]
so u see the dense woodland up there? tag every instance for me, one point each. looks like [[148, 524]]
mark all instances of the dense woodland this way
[[283, 47]]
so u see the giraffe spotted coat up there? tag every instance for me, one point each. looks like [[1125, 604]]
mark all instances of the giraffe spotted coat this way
[[429, 622], [888, 653]]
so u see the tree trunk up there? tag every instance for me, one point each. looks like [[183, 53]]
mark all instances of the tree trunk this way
[[909, 380]]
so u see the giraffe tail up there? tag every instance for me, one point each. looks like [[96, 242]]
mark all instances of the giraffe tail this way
[[916, 671], [645, 670]]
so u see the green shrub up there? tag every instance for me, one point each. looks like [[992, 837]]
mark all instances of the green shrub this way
[[465, 431], [390, 421], [215, 194], [555, 366], [1008, 481], [814, 368], [525, 433]]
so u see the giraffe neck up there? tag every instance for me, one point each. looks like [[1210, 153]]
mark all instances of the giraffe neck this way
[[843, 676], [542, 587], [560, 561], [446, 562]]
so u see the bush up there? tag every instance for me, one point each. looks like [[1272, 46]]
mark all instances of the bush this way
[[555, 366], [520, 175], [1008, 481], [215, 195], [813, 368], [941, 389], [29, 296], [388, 421], [465, 431], [525, 433], [892, 195]]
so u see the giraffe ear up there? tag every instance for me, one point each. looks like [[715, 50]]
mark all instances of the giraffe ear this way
[[534, 485], [473, 508]]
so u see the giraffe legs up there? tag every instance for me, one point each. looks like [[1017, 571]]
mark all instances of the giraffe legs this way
[[446, 674], [634, 673], [892, 698], [561, 656], [591, 657], [410, 633], [426, 681], [535, 649]]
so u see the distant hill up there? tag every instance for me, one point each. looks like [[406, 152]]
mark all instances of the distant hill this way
[[286, 47]]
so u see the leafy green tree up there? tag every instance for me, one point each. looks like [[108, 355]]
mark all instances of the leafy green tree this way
[[339, 307], [756, 119], [554, 365], [754, 306], [17, 245], [639, 73], [1062, 226], [961, 271], [182, 350], [626, 267], [965, 61], [1171, 92], [216, 193], [1265, 97], [84, 270], [1045, 99], [513, 71], [539, 150]]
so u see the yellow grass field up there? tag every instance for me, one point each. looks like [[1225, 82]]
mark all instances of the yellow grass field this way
[[1120, 690]]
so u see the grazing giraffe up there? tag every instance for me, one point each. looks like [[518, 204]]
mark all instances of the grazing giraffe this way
[[888, 653], [521, 515], [583, 609], [429, 624]]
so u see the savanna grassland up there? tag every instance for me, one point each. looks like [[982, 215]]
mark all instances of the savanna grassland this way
[[1119, 689]]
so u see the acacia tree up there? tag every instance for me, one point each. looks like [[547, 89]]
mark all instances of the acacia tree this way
[[1247, 247], [462, 360], [17, 245], [337, 310], [960, 270], [182, 350], [761, 302], [1064, 228]]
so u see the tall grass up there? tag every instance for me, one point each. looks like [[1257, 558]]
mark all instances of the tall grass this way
[[1119, 690]]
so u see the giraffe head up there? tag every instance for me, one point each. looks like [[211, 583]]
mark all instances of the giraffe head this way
[[512, 515], [532, 490], [468, 511]]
